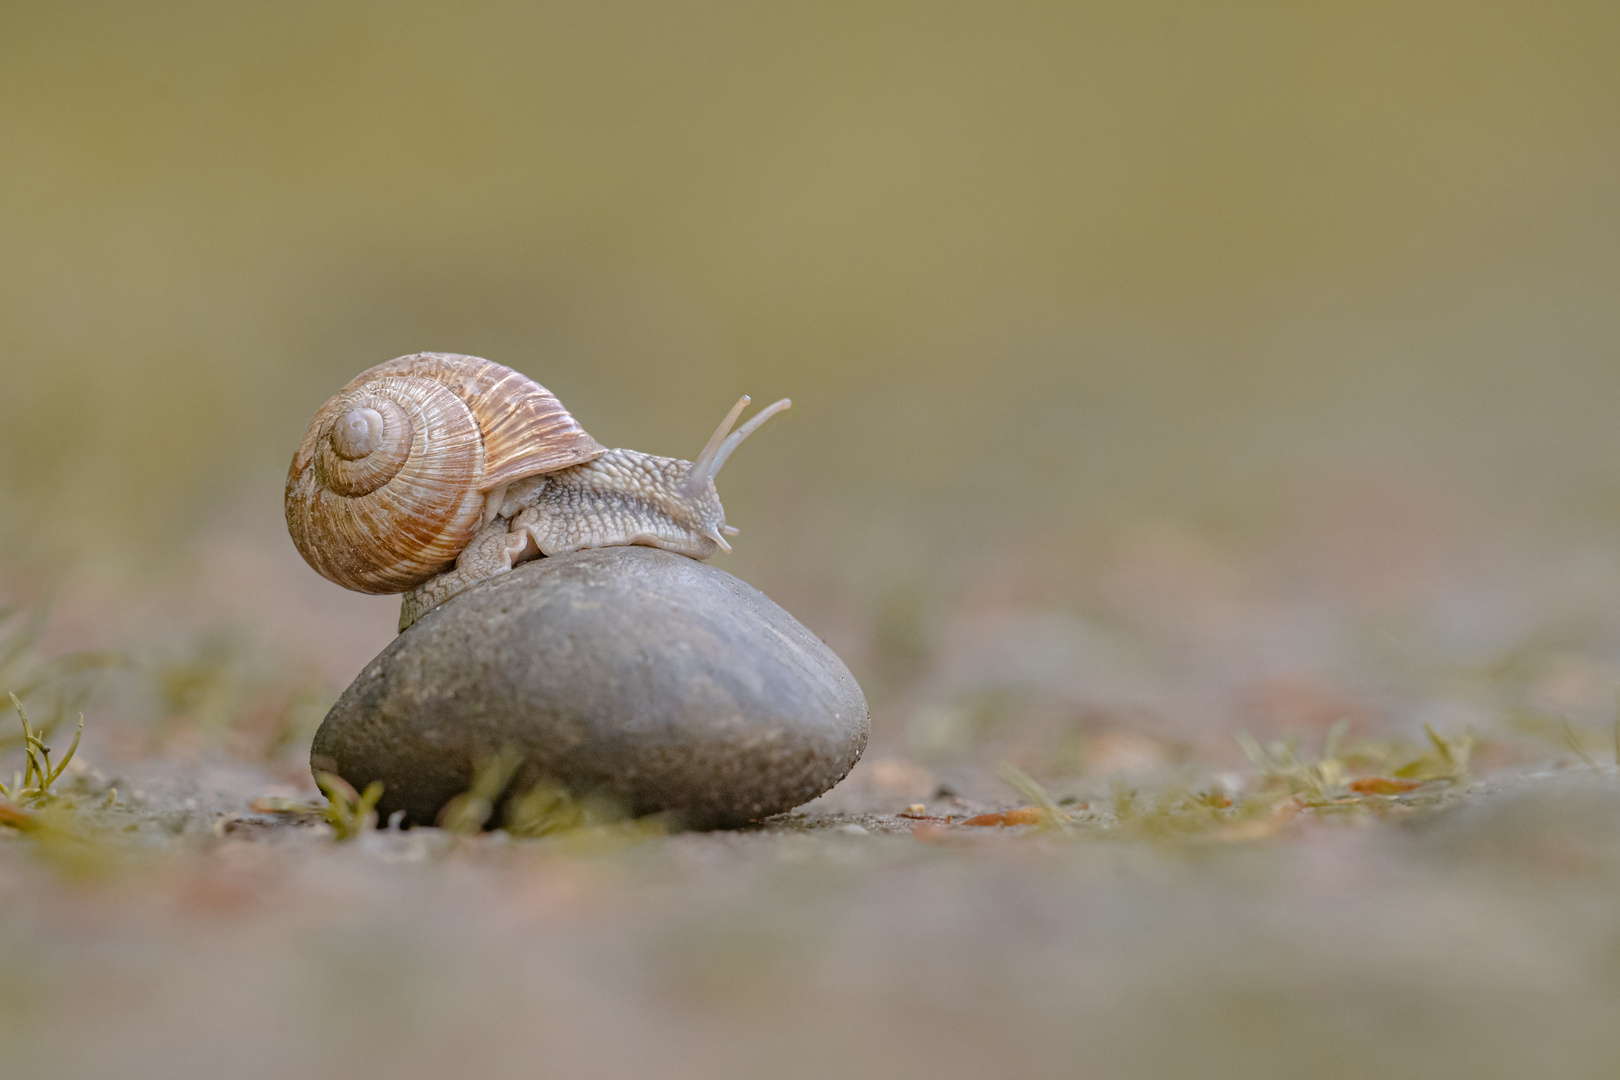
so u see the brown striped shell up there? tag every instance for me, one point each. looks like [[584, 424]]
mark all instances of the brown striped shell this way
[[389, 481]]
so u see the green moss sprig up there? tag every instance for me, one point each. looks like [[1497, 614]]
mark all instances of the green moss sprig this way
[[32, 786]]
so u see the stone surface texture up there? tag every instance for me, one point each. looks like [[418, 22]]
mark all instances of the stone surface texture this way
[[661, 682]]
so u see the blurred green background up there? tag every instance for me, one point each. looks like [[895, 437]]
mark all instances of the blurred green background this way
[[1029, 271]]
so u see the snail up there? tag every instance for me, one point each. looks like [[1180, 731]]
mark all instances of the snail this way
[[432, 472]]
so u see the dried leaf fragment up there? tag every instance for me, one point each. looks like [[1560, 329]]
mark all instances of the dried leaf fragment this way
[[1383, 785], [1026, 815], [280, 804], [16, 816], [1048, 815]]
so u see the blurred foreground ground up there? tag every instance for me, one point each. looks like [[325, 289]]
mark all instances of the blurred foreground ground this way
[[1196, 914]]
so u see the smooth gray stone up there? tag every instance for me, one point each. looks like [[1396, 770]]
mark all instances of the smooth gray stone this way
[[659, 681]]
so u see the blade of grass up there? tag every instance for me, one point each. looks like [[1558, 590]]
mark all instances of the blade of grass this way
[[1253, 751], [470, 811], [1335, 737], [71, 750], [349, 812], [1575, 743], [31, 745], [1021, 782]]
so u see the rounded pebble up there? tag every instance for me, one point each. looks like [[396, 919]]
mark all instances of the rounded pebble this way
[[660, 682]]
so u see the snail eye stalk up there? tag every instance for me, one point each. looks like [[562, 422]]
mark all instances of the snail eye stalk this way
[[724, 442]]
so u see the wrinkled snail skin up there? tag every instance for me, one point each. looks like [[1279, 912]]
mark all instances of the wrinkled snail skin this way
[[623, 498], [432, 472]]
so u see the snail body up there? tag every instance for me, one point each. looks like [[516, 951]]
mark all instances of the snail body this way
[[432, 472]]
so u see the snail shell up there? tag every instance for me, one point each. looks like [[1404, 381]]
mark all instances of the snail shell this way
[[389, 482]]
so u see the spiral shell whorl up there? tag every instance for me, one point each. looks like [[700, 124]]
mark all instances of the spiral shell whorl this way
[[387, 486], [388, 519], [370, 441], [359, 433]]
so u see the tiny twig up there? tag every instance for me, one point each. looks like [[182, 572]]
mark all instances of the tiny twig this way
[[71, 750]]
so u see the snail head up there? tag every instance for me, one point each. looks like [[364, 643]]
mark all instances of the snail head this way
[[697, 486]]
